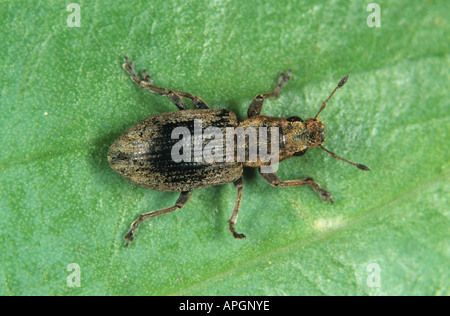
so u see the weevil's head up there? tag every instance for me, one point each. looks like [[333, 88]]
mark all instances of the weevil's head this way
[[314, 127], [314, 133], [301, 135]]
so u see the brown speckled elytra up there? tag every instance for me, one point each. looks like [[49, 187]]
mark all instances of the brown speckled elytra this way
[[143, 154]]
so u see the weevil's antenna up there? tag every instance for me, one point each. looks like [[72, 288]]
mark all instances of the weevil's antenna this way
[[340, 84], [357, 165]]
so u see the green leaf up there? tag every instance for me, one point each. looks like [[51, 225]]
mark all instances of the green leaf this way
[[65, 98]]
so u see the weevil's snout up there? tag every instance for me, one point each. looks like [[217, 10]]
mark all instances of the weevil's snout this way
[[315, 132]]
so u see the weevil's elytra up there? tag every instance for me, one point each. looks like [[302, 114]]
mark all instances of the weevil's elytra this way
[[145, 153]]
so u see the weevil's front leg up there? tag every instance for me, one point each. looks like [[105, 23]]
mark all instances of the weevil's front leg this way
[[175, 96], [255, 107], [182, 200], [239, 184], [275, 181]]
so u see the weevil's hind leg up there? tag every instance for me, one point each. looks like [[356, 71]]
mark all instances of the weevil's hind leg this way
[[255, 107], [175, 96], [239, 184], [182, 200], [275, 181]]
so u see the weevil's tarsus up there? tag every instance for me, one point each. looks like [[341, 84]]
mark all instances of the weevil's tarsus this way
[[255, 107], [357, 165], [182, 200], [340, 84], [146, 77], [175, 96]]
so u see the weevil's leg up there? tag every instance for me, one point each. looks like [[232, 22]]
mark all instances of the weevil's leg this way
[[196, 101], [255, 107], [182, 200], [175, 96], [146, 77], [275, 181], [146, 82], [239, 184]]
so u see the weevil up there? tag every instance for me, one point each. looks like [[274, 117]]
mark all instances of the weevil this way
[[144, 154]]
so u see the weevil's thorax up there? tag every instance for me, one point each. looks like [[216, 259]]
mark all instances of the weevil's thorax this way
[[257, 126]]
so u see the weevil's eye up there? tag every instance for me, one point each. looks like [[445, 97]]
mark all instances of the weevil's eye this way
[[294, 119]]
